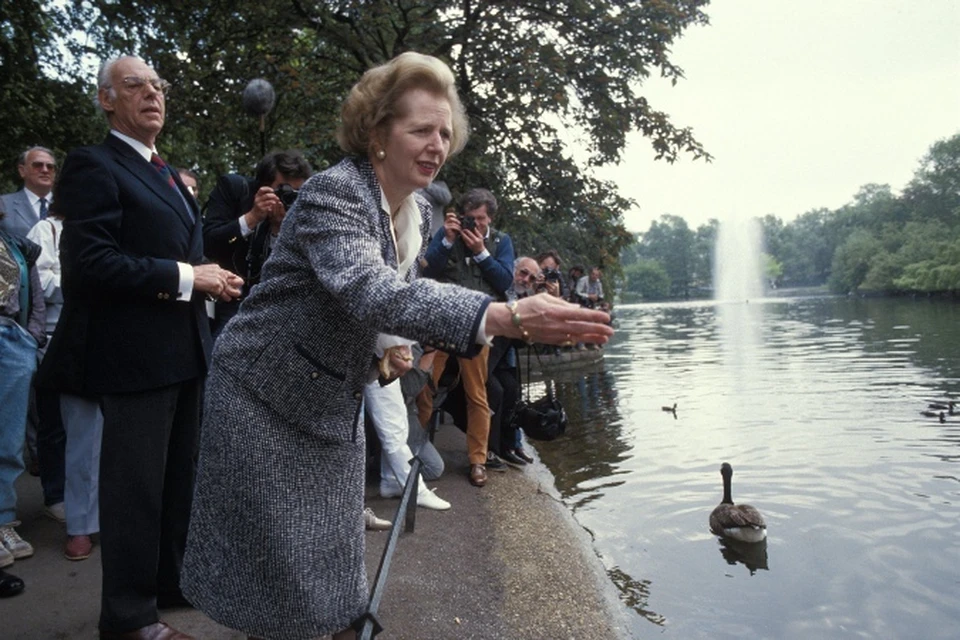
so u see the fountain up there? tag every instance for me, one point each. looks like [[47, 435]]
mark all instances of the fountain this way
[[737, 269]]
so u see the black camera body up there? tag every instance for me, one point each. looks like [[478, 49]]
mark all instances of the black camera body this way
[[287, 195], [551, 275], [466, 222]]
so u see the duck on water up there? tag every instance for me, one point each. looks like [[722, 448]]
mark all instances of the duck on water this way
[[738, 521]]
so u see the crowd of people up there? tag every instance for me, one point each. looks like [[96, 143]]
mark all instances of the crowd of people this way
[[204, 373]]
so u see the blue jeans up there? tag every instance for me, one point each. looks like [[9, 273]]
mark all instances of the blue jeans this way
[[18, 362]]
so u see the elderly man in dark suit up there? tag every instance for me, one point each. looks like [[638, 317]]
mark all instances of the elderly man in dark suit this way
[[134, 332], [26, 207]]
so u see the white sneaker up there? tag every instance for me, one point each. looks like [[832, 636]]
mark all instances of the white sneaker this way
[[11, 540], [429, 500], [6, 558], [56, 512], [373, 523]]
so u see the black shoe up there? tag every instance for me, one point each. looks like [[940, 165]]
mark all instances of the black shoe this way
[[520, 453], [494, 462], [509, 456], [10, 585]]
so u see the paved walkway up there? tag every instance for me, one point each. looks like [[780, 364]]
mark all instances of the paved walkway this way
[[507, 561]]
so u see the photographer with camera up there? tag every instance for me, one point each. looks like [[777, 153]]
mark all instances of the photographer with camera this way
[[469, 252], [242, 218], [551, 280]]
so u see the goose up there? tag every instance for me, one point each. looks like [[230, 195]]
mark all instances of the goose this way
[[741, 521], [934, 414], [943, 407], [672, 409]]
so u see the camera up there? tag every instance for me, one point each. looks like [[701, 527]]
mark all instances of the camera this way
[[466, 222], [287, 195], [551, 275]]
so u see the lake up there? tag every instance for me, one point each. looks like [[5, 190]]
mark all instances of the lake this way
[[816, 403]]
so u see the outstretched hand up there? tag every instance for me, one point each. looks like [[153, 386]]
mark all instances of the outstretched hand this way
[[549, 320]]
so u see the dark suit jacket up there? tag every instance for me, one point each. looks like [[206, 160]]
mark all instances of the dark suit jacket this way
[[223, 241], [122, 328]]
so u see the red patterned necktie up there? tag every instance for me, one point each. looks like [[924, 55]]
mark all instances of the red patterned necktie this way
[[163, 170]]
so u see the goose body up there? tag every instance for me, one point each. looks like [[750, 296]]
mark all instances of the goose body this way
[[737, 521], [933, 414], [939, 406], [672, 409]]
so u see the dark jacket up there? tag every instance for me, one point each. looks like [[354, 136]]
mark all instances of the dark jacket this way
[[122, 328], [224, 243], [456, 265]]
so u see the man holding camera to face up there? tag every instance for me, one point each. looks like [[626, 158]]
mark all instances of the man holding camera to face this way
[[469, 252], [242, 218]]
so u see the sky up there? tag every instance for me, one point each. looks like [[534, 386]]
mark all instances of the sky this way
[[801, 102]]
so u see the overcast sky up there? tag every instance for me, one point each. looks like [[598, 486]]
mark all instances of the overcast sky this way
[[801, 102]]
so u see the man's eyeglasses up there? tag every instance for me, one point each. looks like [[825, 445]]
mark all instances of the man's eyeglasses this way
[[49, 166], [526, 274], [137, 83]]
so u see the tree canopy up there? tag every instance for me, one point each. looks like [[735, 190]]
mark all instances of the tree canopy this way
[[539, 79]]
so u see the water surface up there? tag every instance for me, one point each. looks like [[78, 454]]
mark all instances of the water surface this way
[[816, 403]]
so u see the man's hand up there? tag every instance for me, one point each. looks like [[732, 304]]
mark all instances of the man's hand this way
[[266, 204], [214, 281], [553, 288], [451, 227], [395, 362], [473, 240]]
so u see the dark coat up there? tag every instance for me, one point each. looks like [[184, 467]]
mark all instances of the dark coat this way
[[122, 328], [276, 542]]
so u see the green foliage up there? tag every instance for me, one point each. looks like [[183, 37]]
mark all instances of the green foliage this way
[[646, 279], [670, 242], [41, 104], [529, 74]]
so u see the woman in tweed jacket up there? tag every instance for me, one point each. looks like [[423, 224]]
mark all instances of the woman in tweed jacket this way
[[276, 539]]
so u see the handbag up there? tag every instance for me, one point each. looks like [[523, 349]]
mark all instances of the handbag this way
[[541, 419]]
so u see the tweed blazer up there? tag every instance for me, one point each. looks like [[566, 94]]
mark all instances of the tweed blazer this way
[[305, 335]]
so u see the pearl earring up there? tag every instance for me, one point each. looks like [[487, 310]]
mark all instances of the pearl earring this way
[[381, 154]]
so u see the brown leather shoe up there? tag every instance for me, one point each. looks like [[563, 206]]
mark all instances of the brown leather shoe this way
[[78, 548], [478, 475], [155, 631]]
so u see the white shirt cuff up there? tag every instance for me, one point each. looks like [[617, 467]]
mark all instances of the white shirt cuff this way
[[482, 331], [446, 243], [480, 257], [185, 290], [244, 229]]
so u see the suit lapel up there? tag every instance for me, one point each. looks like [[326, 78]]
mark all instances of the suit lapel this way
[[23, 209], [388, 247], [145, 173]]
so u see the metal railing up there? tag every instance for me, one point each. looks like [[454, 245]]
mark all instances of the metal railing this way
[[368, 625]]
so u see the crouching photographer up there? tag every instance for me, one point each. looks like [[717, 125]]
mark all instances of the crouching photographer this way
[[242, 218], [551, 280]]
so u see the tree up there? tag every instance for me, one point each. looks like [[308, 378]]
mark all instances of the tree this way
[[532, 75], [670, 243], [646, 279], [39, 108], [934, 191]]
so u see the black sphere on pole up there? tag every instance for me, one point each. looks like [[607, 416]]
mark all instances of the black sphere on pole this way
[[258, 99]]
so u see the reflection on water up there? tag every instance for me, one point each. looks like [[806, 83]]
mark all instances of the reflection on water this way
[[816, 402], [752, 555]]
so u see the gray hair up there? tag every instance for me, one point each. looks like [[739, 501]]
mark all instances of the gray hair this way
[[476, 198], [104, 83], [22, 158]]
